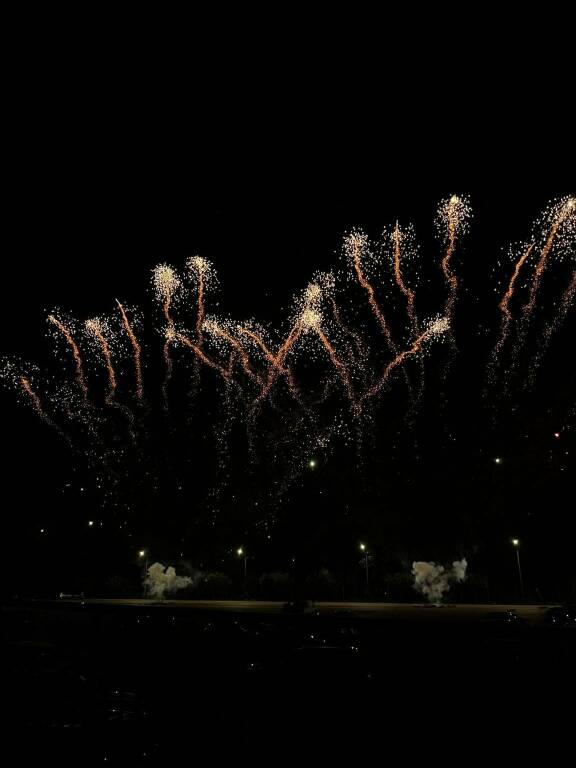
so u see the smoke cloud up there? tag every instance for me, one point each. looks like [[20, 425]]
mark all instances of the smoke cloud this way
[[433, 580], [161, 580]]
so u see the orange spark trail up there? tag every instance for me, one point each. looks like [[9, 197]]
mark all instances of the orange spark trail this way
[[201, 309], [505, 301], [397, 237], [202, 356], [355, 246], [136, 350], [277, 365], [35, 400], [80, 378], [451, 278], [269, 355], [94, 327], [235, 344], [168, 360], [434, 329], [338, 364], [166, 282], [563, 214]]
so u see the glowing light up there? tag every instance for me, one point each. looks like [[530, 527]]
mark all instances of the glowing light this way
[[312, 463], [515, 542], [239, 551], [498, 460]]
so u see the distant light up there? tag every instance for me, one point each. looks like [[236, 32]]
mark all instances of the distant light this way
[[41, 530], [142, 553], [362, 547], [312, 463], [515, 542], [90, 523], [556, 435], [239, 551], [498, 460]]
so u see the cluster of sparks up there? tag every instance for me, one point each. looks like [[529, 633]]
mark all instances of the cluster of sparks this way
[[354, 356]]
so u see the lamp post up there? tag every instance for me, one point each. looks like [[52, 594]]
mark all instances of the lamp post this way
[[364, 549], [516, 545], [241, 553]]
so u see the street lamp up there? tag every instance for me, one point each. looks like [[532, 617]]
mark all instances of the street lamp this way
[[143, 553], [516, 545], [364, 549], [241, 553]]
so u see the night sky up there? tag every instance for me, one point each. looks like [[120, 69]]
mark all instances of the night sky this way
[[106, 190], [427, 489]]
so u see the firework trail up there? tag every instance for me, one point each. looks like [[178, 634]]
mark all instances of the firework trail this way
[[166, 283], [270, 357], [168, 339], [565, 303], [506, 316], [96, 328], [435, 329], [80, 377], [136, 349], [311, 321], [200, 269], [564, 211], [453, 216], [409, 294], [355, 246], [397, 238], [202, 356], [561, 214], [214, 328], [35, 401], [311, 300]]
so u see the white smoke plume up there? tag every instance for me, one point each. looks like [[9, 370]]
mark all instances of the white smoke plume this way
[[433, 581], [161, 580]]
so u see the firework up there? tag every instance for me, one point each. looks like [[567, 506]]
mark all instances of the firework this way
[[356, 246], [453, 218], [219, 331], [506, 313], [80, 377], [270, 357], [311, 321], [35, 400], [97, 328], [166, 284], [397, 238], [202, 275], [561, 217], [435, 329], [558, 229], [202, 356], [136, 349]]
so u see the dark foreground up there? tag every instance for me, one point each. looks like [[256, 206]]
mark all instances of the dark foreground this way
[[140, 683]]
